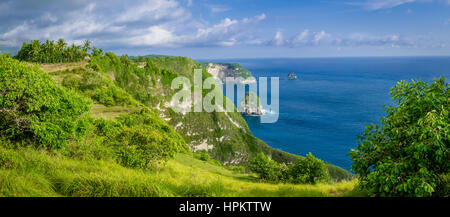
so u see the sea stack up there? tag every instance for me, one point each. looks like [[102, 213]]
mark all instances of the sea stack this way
[[250, 105], [292, 76]]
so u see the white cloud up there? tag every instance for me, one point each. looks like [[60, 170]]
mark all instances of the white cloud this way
[[305, 38], [277, 39], [318, 37], [302, 38], [153, 36], [152, 10], [373, 5], [322, 38], [218, 9], [358, 39], [384, 4], [165, 23], [143, 23], [225, 33]]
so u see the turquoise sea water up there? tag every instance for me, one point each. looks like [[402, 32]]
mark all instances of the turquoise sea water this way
[[333, 98]]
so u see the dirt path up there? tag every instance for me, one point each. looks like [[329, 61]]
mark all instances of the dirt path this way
[[53, 67]]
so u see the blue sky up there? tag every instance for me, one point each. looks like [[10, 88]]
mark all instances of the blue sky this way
[[235, 29]]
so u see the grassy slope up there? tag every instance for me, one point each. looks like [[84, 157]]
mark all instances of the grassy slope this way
[[227, 133], [31, 172]]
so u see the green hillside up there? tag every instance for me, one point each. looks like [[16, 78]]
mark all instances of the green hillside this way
[[97, 128], [31, 172]]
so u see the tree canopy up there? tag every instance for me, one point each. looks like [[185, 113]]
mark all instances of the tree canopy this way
[[408, 154], [33, 107], [51, 52]]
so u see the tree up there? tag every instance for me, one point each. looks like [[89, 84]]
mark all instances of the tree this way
[[49, 52], [408, 154], [87, 46], [309, 170], [61, 45], [97, 52], [266, 168], [35, 50], [34, 108]]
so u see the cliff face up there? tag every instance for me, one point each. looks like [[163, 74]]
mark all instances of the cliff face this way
[[224, 135], [222, 70]]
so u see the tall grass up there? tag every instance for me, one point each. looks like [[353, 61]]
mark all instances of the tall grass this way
[[31, 172]]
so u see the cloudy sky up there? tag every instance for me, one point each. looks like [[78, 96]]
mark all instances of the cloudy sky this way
[[235, 28]]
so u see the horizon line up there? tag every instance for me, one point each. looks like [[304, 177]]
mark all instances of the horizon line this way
[[319, 57]]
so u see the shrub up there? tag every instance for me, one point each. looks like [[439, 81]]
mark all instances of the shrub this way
[[32, 107], [71, 81], [308, 170], [266, 168], [202, 155], [143, 147], [408, 154], [107, 128], [97, 87], [140, 139]]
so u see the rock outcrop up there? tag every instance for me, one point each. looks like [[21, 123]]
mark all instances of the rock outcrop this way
[[220, 71], [250, 105], [292, 76]]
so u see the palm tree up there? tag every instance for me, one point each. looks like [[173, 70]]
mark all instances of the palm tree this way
[[35, 49], [72, 52], [61, 45], [47, 51], [52, 49], [87, 46]]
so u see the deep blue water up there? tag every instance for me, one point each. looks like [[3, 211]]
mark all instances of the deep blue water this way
[[333, 98]]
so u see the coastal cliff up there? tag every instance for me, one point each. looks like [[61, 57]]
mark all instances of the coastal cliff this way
[[220, 71], [124, 89]]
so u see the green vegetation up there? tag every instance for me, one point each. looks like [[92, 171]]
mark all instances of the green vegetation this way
[[30, 172], [236, 67], [95, 129], [51, 52], [307, 170], [96, 86], [266, 168], [148, 80], [408, 155], [34, 110]]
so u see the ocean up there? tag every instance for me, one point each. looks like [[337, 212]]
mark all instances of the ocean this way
[[333, 99]]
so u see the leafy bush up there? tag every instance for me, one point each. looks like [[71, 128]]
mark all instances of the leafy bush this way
[[95, 86], [141, 139], [266, 168], [71, 81], [202, 155], [308, 170], [408, 155], [32, 107]]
